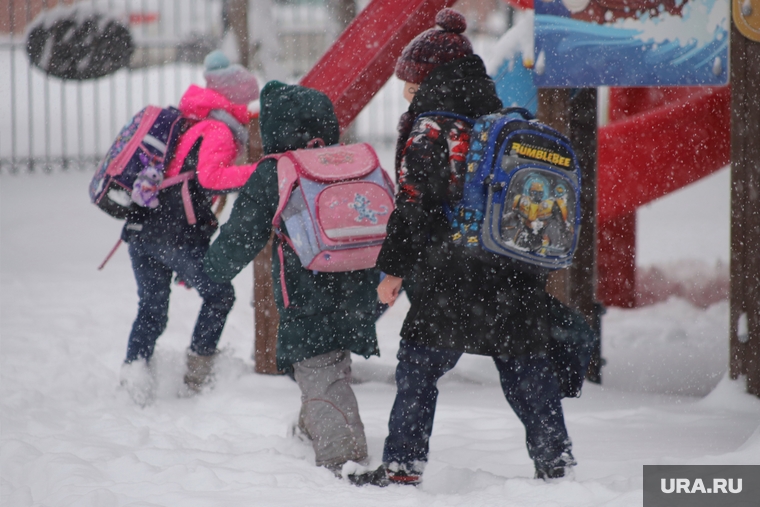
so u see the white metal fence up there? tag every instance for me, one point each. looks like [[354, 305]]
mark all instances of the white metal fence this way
[[49, 124]]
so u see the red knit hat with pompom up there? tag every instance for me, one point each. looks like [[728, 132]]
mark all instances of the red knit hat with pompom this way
[[433, 47]]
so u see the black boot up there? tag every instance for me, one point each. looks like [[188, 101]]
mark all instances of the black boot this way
[[377, 477], [556, 469]]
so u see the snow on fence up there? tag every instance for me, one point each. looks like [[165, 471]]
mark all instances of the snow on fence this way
[[47, 123]]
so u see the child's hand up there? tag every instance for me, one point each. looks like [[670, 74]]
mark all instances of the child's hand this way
[[388, 289]]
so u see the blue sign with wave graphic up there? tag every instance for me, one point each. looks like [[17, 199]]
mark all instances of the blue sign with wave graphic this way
[[589, 43]]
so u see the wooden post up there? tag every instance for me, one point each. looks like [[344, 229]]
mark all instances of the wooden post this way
[[238, 19], [575, 116], [553, 108], [344, 12], [583, 276], [265, 315], [745, 210]]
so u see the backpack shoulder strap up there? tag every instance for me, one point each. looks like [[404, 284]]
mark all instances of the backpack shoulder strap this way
[[447, 114], [187, 172], [527, 115], [187, 201], [287, 176]]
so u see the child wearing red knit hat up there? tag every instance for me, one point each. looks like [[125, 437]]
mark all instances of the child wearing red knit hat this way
[[442, 44], [459, 304]]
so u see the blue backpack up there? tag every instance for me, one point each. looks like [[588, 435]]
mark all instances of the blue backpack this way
[[521, 195]]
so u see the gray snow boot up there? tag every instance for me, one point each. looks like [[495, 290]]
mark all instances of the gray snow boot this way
[[200, 372], [298, 428]]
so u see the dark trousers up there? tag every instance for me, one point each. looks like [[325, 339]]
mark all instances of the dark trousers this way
[[528, 383], [153, 266]]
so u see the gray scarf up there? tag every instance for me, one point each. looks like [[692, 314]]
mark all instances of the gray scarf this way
[[239, 131]]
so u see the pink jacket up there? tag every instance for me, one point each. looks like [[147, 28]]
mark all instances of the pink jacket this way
[[218, 149]]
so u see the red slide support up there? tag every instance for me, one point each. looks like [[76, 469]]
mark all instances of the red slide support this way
[[660, 140], [657, 152]]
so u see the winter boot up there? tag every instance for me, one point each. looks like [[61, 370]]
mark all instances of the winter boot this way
[[200, 372], [377, 477], [409, 475], [558, 469], [359, 474], [138, 378], [404, 478], [298, 430], [549, 472]]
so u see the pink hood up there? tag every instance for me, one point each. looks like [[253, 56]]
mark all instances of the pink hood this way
[[215, 167], [197, 103]]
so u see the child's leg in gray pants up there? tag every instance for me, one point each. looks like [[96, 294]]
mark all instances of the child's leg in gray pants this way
[[329, 410]]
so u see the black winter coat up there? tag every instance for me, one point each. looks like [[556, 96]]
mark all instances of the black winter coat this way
[[457, 301], [167, 224]]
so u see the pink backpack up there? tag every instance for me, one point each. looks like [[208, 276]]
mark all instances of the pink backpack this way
[[335, 202]]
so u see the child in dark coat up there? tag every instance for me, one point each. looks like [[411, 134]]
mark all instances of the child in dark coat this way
[[329, 315], [161, 239], [458, 304]]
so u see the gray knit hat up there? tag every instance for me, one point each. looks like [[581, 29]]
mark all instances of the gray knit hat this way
[[231, 80]]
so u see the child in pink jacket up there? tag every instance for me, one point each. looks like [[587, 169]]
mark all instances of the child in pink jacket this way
[[164, 240]]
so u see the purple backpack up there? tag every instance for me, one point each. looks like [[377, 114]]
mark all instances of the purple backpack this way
[[132, 170], [335, 202]]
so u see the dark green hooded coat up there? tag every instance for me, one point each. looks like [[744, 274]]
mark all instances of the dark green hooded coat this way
[[328, 311]]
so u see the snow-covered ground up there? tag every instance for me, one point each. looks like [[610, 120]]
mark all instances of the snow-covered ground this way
[[71, 437]]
